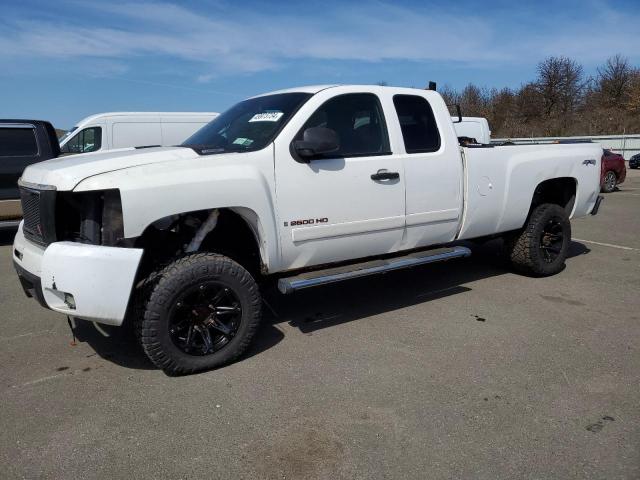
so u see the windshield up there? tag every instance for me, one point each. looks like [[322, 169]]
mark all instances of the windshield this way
[[248, 125], [66, 135]]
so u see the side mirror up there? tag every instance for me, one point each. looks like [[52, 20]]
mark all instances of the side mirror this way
[[316, 141]]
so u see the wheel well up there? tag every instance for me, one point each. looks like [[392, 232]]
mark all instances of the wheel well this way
[[234, 238], [559, 191], [167, 239]]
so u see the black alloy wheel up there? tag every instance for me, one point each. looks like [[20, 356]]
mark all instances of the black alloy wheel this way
[[205, 318], [551, 240], [541, 246], [201, 313]]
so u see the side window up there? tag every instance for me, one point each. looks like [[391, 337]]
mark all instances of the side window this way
[[85, 141], [73, 145], [18, 142], [92, 139], [419, 129], [358, 120]]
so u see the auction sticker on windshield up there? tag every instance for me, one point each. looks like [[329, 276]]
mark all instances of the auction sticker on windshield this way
[[266, 117], [243, 141]]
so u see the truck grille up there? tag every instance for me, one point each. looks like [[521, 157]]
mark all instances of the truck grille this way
[[38, 210], [30, 210]]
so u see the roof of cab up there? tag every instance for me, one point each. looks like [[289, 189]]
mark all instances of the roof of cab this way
[[20, 121], [306, 89], [313, 89]]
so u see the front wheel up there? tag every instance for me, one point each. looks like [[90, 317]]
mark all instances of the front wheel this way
[[202, 313], [610, 180], [540, 248]]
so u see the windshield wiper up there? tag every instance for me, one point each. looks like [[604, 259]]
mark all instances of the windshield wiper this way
[[237, 148], [211, 149]]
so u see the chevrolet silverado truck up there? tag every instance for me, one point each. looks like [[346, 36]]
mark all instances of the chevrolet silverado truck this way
[[305, 186]]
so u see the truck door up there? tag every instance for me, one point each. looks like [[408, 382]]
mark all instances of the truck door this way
[[347, 204], [433, 170]]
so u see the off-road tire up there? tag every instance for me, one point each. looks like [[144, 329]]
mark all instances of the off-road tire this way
[[183, 273], [523, 248]]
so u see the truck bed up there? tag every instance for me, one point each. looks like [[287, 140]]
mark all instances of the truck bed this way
[[500, 182]]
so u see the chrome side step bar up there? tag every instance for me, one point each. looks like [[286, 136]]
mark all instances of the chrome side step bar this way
[[372, 267]]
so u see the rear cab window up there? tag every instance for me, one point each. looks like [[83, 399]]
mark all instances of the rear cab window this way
[[418, 124], [18, 141]]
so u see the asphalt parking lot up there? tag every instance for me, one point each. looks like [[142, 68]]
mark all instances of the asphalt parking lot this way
[[456, 370]]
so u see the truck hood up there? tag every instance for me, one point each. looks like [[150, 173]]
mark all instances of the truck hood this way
[[65, 173]]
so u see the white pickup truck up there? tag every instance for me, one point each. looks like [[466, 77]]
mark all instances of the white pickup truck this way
[[306, 186]]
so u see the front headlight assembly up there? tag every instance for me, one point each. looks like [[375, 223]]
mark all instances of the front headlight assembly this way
[[90, 217]]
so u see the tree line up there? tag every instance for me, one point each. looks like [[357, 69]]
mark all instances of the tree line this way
[[561, 101]]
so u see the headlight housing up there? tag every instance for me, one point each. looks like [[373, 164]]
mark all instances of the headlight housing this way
[[90, 217]]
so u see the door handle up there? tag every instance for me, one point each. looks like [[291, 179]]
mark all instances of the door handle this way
[[384, 174]]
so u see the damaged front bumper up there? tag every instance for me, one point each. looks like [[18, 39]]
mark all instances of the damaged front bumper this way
[[91, 282]]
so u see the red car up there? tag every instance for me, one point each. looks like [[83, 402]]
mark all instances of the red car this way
[[613, 171]]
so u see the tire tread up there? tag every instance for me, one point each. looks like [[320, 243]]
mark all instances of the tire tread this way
[[520, 246], [157, 292]]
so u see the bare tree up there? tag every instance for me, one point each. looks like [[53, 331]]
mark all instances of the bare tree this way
[[529, 102], [614, 80], [633, 104], [502, 109], [450, 96], [561, 101], [474, 101], [561, 84]]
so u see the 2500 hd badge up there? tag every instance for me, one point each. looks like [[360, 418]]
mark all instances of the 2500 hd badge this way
[[309, 221]]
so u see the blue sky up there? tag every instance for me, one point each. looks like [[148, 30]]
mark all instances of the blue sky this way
[[65, 60]]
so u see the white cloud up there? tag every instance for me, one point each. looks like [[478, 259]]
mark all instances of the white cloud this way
[[225, 40]]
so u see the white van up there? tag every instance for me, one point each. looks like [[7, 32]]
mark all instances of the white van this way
[[473, 127], [108, 131]]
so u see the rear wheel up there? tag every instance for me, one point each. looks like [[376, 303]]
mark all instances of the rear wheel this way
[[201, 314], [540, 248], [610, 180]]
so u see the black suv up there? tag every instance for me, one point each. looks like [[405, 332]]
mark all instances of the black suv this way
[[22, 142], [634, 162]]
